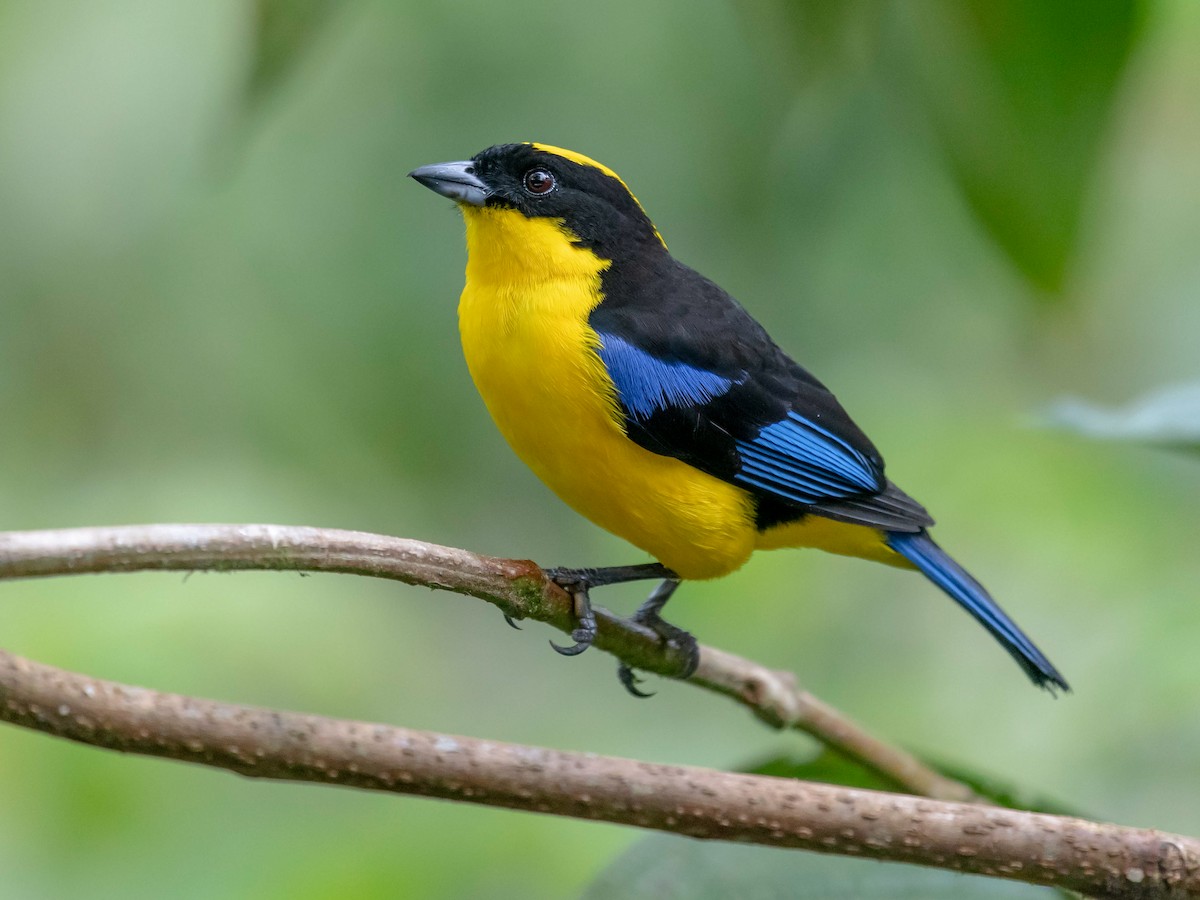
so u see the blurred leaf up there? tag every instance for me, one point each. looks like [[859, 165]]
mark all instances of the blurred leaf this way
[[1004, 793], [284, 30], [813, 38], [833, 768], [666, 866], [1019, 94], [824, 766], [1168, 417]]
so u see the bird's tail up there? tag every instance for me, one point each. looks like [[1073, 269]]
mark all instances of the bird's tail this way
[[920, 549]]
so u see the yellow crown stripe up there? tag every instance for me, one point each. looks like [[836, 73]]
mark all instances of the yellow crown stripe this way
[[588, 161]]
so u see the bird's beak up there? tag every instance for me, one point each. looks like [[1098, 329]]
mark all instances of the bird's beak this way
[[456, 180]]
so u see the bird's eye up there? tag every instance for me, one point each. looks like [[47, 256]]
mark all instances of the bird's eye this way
[[539, 181]]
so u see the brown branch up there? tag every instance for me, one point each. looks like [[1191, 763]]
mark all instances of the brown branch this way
[[1098, 860], [518, 587]]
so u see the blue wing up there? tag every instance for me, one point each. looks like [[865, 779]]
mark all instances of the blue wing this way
[[714, 421], [798, 460], [646, 384]]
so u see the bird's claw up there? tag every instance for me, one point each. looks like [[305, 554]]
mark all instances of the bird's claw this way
[[582, 638], [677, 638], [511, 623], [630, 681], [673, 637], [575, 583]]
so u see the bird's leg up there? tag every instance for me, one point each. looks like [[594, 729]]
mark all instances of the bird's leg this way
[[648, 615], [570, 579], [577, 583]]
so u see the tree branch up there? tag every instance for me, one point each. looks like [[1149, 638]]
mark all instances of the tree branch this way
[[1098, 860], [518, 587]]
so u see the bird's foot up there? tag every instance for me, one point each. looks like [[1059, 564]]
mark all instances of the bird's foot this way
[[672, 636], [576, 582], [630, 680]]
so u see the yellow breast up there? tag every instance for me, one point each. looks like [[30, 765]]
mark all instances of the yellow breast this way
[[523, 318]]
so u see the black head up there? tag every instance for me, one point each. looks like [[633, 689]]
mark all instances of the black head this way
[[539, 181]]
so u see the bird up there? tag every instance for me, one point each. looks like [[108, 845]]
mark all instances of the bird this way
[[655, 405]]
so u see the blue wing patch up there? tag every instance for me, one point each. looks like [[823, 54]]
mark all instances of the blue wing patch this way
[[647, 384], [798, 460], [794, 458]]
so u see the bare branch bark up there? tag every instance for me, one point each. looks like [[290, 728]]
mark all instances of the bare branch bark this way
[[518, 587], [1095, 859]]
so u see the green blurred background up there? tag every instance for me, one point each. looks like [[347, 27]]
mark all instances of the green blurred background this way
[[222, 301]]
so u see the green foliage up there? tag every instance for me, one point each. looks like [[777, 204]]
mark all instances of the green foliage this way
[[284, 31], [826, 766], [833, 768], [1018, 96], [812, 40], [1021, 94]]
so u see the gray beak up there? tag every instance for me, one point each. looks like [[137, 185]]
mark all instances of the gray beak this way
[[456, 180]]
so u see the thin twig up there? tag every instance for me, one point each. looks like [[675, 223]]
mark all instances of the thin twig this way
[[1096, 859], [518, 587]]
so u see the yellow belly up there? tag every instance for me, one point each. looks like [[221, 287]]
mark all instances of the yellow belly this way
[[523, 320], [533, 358]]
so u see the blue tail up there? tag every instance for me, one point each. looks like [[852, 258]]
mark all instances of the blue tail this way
[[938, 567]]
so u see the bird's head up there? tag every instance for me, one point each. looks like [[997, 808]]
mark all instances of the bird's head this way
[[512, 193]]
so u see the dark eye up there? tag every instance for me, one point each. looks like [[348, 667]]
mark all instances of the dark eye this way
[[539, 181]]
